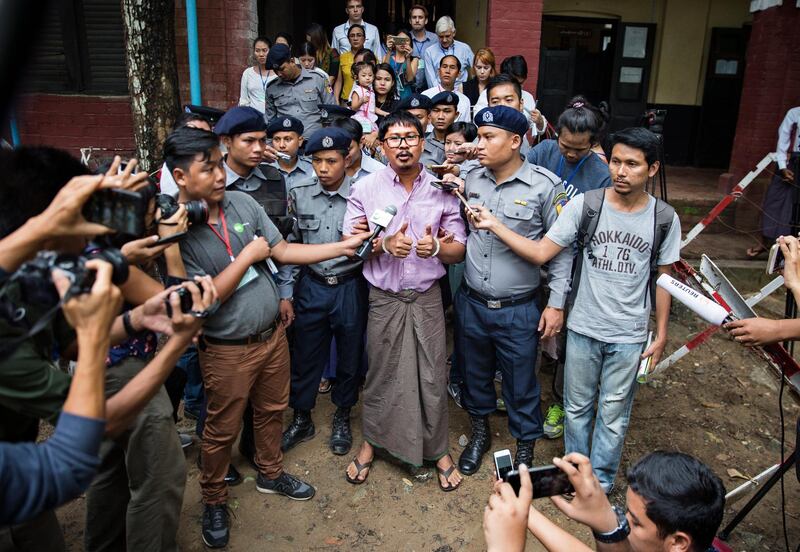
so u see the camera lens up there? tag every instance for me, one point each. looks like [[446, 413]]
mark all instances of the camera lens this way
[[197, 211]]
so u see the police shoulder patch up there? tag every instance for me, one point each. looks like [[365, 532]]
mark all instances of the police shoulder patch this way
[[560, 201], [546, 173]]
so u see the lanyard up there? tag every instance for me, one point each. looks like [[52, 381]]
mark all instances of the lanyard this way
[[263, 80], [574, 171], [226, 240]]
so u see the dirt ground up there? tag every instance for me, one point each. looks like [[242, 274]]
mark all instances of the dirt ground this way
[[720, 404]]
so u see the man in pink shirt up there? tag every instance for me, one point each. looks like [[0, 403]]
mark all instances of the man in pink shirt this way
[[405, 396]]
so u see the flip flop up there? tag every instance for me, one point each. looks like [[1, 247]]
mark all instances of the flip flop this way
[[324, 386], [755, 252], [446, 473], [359, 469]]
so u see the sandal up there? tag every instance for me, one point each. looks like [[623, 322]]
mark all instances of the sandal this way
[[324, 386], [755, 252], [359, 468], [446, 474]]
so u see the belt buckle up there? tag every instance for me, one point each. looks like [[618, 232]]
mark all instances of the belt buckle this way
[[493, 304], [331, 280]]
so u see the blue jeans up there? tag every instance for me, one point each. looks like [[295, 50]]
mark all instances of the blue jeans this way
[[605, 373], [193, 393]]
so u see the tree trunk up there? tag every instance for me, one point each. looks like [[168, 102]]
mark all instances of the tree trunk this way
[[152, 74]]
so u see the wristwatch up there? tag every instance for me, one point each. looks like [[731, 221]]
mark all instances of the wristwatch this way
[[620, 533]]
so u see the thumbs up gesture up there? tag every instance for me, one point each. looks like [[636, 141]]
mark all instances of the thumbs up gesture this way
[[426, 245], [399, 244]]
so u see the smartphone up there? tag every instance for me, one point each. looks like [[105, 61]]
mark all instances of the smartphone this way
[[644, 364], [400, 40], [122, 210], [444, 185], [283, 156], [775, 261], [549, 481], [503, 463], [172, 238]]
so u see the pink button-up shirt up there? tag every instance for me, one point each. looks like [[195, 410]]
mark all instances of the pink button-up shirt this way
[[425, 205]]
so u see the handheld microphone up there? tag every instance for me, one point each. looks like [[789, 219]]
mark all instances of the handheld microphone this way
[[381, 218], [702, 306]]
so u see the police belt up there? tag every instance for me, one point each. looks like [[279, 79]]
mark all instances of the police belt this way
[[260, 337], [500, 302], [333, 280]]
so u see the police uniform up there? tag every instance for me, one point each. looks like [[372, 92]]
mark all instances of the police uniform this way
[[432, 154], [298, 98], [497, 317], [302, 169], [434, 148], [330, 300], [368, 166]]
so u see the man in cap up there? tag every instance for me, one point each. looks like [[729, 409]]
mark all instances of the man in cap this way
[[498, 322], [286, 134], [449, 67], [419, 106], [296, 91], [444, 112], [330, 297]]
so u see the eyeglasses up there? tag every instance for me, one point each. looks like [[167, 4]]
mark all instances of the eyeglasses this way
[[395, 141]]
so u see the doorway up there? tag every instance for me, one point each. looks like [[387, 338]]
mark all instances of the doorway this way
[[577, 57]]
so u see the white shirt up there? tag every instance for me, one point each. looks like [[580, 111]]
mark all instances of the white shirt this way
[[253, 88], [528, 107], [464, 105], [167, 184], [372, 40], [785, 146]]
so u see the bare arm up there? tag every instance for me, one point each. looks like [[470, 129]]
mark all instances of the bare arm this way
[[306, 254], [663, 302], [337, 87], [552, 537], [355, 101]]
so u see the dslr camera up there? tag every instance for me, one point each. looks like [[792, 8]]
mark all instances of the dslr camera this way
[[197, 211]]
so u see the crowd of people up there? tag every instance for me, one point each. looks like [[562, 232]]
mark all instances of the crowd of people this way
[[311, 240]]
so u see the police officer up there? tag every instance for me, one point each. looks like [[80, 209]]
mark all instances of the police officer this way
[[286, 134], [295, 92], [497, 318], [444, 112], [420, 106], [330, 297]]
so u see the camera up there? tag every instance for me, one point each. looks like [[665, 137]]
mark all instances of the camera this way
[[36, 284], [197, 211], [185, 297]]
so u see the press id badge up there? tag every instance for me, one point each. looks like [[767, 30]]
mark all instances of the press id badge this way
[[248, 277]]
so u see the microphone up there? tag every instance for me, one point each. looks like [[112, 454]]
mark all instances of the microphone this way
[[381, 218], [705, 308]]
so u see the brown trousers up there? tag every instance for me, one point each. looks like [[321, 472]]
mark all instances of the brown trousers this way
[[232, 374]]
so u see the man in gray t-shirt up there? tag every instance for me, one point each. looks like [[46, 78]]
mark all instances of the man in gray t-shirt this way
[[243, 352], [607, 326]]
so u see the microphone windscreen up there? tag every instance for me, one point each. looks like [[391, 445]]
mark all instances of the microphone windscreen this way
[[702, 306]]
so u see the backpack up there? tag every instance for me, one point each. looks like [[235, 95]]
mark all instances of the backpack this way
[[590, 217]]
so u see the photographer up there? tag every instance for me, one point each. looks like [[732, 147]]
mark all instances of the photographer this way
[[50, 217], [674, 502], [754, 332], [39, 477]]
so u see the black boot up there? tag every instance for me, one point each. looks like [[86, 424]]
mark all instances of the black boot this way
[[301, 429], [524, 453], [471, 458], [341, 436]]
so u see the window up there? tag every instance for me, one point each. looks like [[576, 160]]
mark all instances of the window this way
[[80, 49]]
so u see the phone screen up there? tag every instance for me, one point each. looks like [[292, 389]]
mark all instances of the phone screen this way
[[503, 465], [549, 481]]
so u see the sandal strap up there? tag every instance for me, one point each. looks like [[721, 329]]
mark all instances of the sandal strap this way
[[361, 467], [446, 473]]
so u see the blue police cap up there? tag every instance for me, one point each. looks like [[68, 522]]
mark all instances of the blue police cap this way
[[240, 119], [445, 98], [330, 138], [414, 101], [331, 112], [284, 123], [278, 55], [504, 117]]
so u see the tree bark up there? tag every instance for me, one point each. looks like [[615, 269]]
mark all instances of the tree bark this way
[[152, 74]]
